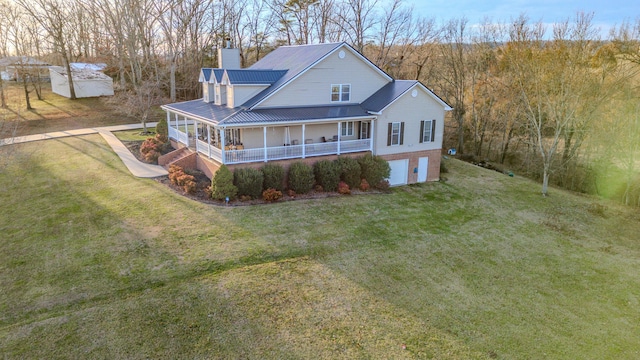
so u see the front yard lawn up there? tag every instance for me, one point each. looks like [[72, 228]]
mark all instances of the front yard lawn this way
[[95, 263]]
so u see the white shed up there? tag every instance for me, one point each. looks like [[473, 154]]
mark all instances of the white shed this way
[[86, 83]]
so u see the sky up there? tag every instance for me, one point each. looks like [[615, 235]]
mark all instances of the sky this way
[[607, 13]]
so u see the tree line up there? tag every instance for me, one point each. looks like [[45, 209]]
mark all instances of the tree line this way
[[558, 102]]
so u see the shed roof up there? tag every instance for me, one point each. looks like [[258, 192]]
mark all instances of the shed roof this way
[[80, 74]]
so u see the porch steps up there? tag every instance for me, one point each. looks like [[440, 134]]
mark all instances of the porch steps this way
[[179, 157]]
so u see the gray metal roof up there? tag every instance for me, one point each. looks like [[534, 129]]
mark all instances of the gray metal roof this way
[[206, 111], [249, 76], [296, 114], [387, 94], [294, 59]]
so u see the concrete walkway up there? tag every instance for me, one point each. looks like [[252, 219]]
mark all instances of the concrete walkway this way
[[137, 168]]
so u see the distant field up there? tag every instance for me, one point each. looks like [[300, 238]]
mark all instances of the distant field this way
[[95, 263], [56, 113]]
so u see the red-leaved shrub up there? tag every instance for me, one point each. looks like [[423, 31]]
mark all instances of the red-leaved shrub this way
[[271, 195], [151, 148], [364, 185], [178, 177], [343, 188]]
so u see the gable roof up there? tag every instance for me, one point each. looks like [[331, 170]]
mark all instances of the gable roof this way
[[297, 60], [392, 91], [253, 77], [205, 75]]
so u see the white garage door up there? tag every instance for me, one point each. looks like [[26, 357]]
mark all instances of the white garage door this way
[[399, 172]]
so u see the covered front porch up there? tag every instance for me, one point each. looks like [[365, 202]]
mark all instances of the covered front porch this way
[[271, 142]]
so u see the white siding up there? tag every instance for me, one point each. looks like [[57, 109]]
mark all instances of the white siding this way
[[411, 111], [83, 88], [242, 93], [314, 86]]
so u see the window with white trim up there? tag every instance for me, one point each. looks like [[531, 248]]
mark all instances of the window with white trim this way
[[427, 131], [340, 92], [346, 128]]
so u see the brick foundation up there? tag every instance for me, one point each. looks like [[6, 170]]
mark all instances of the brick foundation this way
[[433, 171]]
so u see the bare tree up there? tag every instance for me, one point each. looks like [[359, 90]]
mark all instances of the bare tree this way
[[560, 90], [54, 16], [356, 18], [454, 56]]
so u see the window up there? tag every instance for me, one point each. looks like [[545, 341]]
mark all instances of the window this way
[[365, 130], [427, 131], [347, 128], [340, 93], [395, 135]]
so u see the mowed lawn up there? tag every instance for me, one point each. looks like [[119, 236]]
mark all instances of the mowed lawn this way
[[58, 113], [95, 263]]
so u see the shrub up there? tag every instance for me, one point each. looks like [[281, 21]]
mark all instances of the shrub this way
[[349, 171], [364, 185], [271, 195], [249, 182], [153, 147], [374, 168], [273, 177], [327, 174], [162, 130], [174, 172], [383, 185], [291, 193], [222, 184], [178, 177], [343, 188], [318, 188], [300, 177]]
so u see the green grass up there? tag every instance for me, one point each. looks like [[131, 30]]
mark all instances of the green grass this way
[[57, 113], [97, 264]]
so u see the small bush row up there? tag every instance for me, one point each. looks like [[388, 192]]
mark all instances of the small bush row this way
[[340, 175]]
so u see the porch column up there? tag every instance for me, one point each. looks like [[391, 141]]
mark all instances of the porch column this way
[[177, 123], [304, 143], [371, 132], [209, 139], [196, 126], [339, 133], [264, 135], [222, 145]]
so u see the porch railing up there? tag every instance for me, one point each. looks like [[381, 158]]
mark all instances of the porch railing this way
[[273, 153]]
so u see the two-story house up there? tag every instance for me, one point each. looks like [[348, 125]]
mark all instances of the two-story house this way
[[307, 103]]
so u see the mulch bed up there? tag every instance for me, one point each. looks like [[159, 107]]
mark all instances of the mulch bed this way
[[203, 182]]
